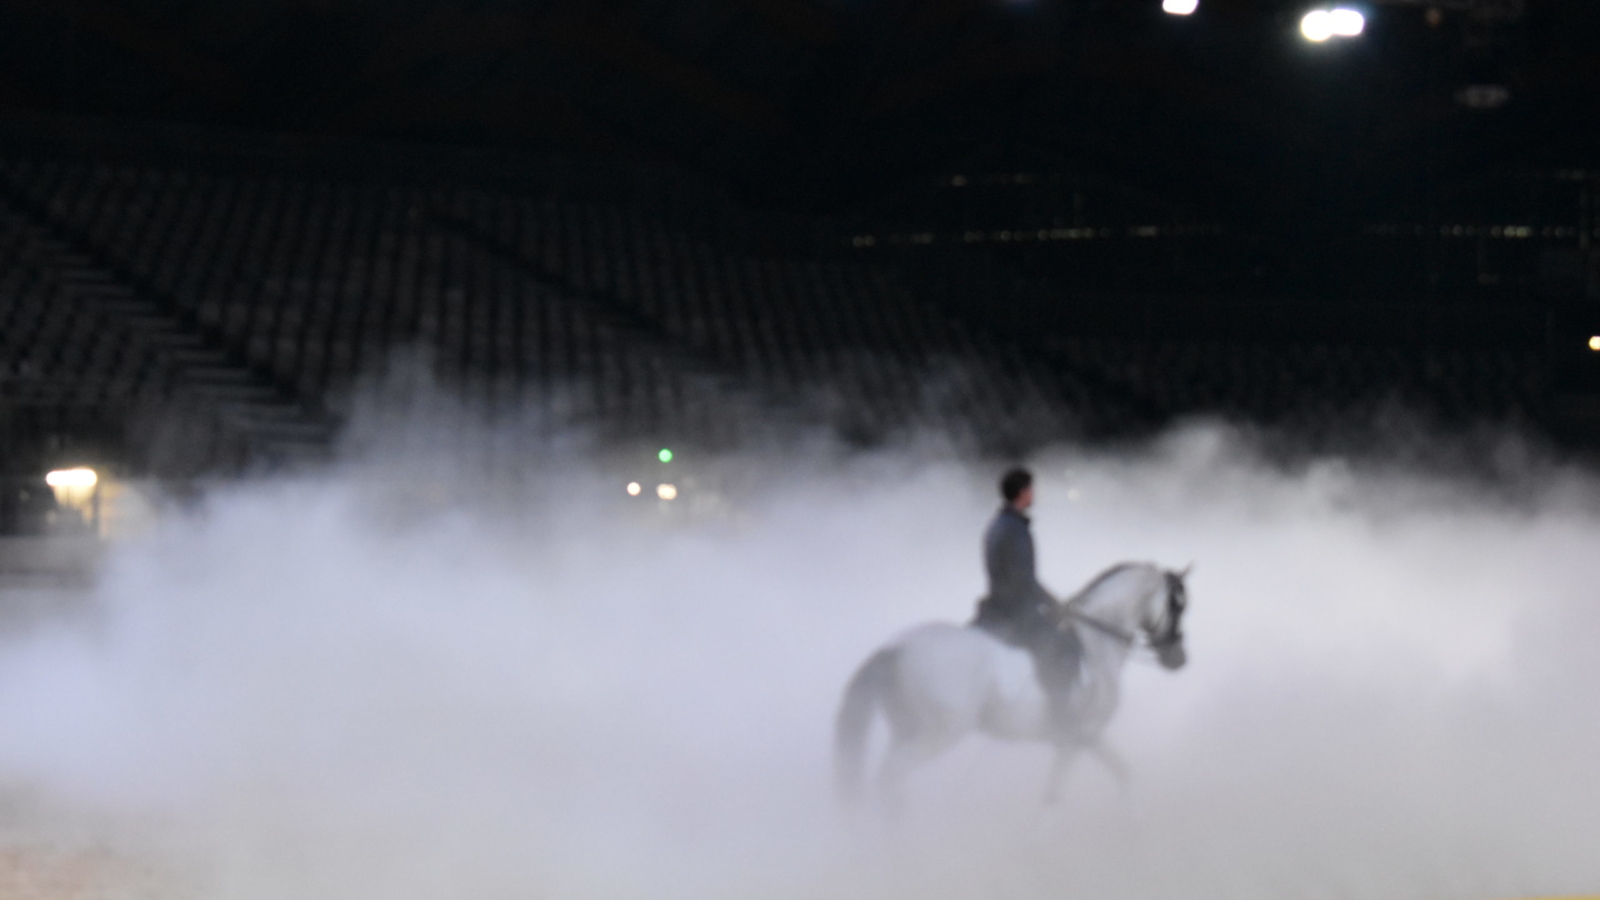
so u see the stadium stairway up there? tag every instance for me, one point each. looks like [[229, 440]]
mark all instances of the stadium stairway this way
[[197, 366]]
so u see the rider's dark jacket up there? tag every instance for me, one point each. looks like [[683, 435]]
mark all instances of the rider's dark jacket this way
[[1015, 595]]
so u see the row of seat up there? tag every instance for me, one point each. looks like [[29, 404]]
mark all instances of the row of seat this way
[[318, 282], [1298, 384], [608, 313]]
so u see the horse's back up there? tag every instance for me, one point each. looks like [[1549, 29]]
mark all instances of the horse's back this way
[[962, 671], [945, 645]]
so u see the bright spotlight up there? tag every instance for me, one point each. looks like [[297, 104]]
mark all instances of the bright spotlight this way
[[72, 478], [634, 488], [1594, 343], [665, 455], [1346, 22], [1179, 7], [1317, 26], [667, 491]]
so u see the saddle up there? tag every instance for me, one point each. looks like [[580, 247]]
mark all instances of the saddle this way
[[1057, 652]]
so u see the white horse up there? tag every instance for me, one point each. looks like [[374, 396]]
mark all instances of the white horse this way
[[939, 682]]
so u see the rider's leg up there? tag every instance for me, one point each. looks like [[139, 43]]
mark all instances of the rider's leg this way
[[1058, 656]]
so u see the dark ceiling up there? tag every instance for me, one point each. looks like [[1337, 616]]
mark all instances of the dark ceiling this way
[[826, 104]]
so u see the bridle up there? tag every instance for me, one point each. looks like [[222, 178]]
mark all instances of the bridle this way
[[1176, 604]]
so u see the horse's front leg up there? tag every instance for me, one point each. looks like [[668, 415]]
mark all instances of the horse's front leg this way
[[1066, 755], [1112, 760]]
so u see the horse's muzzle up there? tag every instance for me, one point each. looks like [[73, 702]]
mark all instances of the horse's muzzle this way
[[1172, 656]]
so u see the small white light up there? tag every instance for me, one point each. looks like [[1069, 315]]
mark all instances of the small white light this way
[[1346, 22], [1316, 26], [667, 491], [1594, 343], [72, 478], [634, 488], [1179, 7], [1483, 96]]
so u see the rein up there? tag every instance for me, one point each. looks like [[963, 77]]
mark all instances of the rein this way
[[1110, 630], [1126, 637]]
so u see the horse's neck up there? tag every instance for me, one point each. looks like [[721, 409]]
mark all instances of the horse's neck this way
[[1119, 603], [1118, 608], [1103, 650]]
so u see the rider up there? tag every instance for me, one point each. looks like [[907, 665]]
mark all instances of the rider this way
[[1017, 601], [1018, 607]]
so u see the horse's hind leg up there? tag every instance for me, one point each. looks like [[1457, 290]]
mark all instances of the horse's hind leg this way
[[906, 752]]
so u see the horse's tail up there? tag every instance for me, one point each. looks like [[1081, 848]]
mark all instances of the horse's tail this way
[[862, 697]]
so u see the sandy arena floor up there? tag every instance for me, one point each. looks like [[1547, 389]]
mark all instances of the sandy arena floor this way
[[35, 872]]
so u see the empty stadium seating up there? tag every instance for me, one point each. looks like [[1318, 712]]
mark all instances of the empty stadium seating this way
[[274, 302]]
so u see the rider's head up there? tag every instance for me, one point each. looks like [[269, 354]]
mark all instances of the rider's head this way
[[1016, 486]]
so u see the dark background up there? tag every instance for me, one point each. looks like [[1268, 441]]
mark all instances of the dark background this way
[[813, 105], [1042, 173]]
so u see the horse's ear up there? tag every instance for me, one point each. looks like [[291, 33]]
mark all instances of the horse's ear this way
[[1186, 570]]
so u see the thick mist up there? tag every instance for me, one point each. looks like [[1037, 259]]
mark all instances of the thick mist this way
[[364, 685]]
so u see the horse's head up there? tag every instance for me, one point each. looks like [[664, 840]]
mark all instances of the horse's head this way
[[1163, 628], [1133, 599]]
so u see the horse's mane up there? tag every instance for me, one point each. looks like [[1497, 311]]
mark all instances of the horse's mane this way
[[1078, 598]]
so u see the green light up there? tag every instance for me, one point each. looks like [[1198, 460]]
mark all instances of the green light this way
[[665, 455]]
